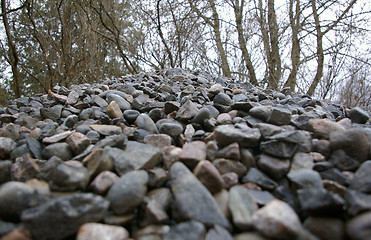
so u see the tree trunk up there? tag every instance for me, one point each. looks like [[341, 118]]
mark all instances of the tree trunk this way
[[275, 53], [219, 44], [13, 55], [238, 10], [320, 55], [295, 51]]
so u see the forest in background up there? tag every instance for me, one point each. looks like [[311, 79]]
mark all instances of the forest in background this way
[[316, 47]]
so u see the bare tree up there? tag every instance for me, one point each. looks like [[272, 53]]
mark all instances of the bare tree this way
[[12, 51], [270, 36], [238, 7], [319, 35], [214, 23]]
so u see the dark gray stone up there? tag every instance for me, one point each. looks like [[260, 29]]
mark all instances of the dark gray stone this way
[[143, 121], [342, 161], [171, 129], [274, 167], [128, 192], [320, 202], [305, 178], [123, 104], [191, 230], [359, 227], [61, 217], [61, 150], [218, 233], [280, 116], [358, 115], [192, 199], [136, 156], [201, 116], [259, 178], [242, 207], [335, 175], [243, 135], [362, 178], [131, 115], [5, 171], [278, 148], [68, 177], [353, 141], [14, 198], [35, 147], [260, 112], [357, 202]]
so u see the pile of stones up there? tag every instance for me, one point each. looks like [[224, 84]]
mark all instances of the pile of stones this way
[[176, 154]]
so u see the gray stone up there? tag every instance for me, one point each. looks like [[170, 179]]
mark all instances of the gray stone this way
[[302, 161], [131, 115], [62, 217], [335, 175], [305, 178], [353, 141], [267, 130], [14, 198], [187, 111], [100, 102], [244, 136], [261, 197], [357, 202], [222, 99], [242, 207], [218, 233], [123, 104], [128, 192], [201, 116], [171, 129], [24, 168], [57, 137], [342, 161], [70, 121], [136, 156], [260, 112], [274, 167], [72, 98], [358, 115], [5, 171], [259, 178], [192, 200], [278, 220], [278, 148], [106, 130], [69, 176], [358, 228], [362, 178], [191, 230], [280, 116], [320, 202], [143, 121], [35, 147], [61, 150], [302, 138], [6, 146], [216, 88]]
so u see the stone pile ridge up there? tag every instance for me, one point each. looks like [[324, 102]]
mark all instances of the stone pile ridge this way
[[176, 154]]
